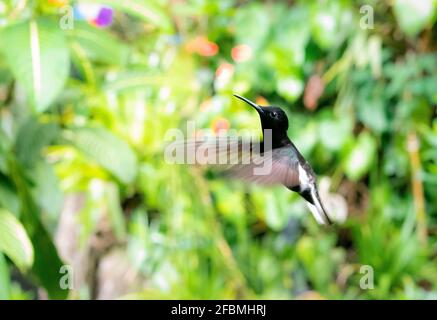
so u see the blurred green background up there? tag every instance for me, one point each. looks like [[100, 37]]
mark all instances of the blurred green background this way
[[89, 89]]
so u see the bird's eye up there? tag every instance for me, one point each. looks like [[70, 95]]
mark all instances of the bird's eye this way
[[274, 114]]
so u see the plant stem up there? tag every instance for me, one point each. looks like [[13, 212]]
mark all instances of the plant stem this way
[[417, 185]]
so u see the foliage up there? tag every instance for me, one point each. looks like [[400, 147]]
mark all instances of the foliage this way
[[86, 110]]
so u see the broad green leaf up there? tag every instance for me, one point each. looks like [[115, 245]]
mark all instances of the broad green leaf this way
[[330, 21], [109, 151], [413, 16], [290, 87], [276, 212], [133, 81], [334, 132], [147, 10], [46, 190], [371, 112], [38, 56], [31, 138], [229, 202], [361, 157], [292, 25], [252, 25], [99, 45], [5, 280], [305, 136], [325, 28], [8, 196], [47, 263], [14, 241], [306, 250]]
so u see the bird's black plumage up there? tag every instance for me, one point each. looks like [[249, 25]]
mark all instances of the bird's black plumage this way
[[275, 160], [284, 151]]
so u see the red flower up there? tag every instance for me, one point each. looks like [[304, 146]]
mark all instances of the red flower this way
[[225, 70], [202, 46], [260, 100], [241, 53], [313, 91], [205, 105], [220, 125]]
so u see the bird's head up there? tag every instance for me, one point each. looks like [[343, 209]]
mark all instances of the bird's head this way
[[273, 118]]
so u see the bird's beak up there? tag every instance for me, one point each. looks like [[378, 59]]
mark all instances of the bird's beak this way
[[257, 107]]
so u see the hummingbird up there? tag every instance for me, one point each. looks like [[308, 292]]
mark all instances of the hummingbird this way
[[287, 165], [292, 170]]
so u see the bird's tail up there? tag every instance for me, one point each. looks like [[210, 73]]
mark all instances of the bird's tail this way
[[317, 208]]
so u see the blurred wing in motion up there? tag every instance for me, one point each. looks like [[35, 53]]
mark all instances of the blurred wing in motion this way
[[241, 159]]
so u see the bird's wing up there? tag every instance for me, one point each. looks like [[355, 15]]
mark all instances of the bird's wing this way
[[243, 160]]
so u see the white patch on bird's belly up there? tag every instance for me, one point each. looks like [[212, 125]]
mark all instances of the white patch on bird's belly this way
[[304, 179]]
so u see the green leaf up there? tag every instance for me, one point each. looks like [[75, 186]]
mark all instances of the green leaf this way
[[290, 87], [46, 189], [413, 16], [361, 157], [31, 138], [98, 45], [305, 138], [47, 262], [334, 132], [109, 151], [134, 80], [276, 212], [5, 279], [146, 10], [8, 195], [38, 56], [229, 202], [330, 22], [371, 112], [324, 25], [293, 24], [252, 25], [14, 241]]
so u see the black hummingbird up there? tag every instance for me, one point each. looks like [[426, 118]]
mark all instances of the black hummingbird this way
[[287, 166], [292, 170]]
